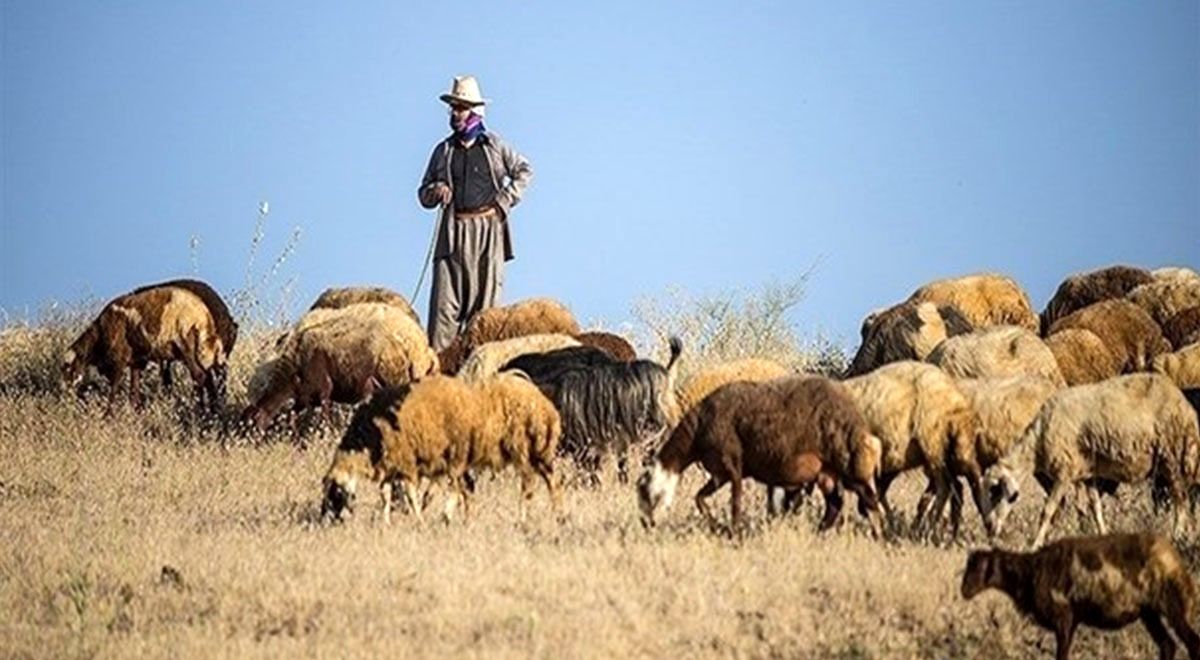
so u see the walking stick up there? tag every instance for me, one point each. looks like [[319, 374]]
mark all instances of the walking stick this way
[[428, 255]]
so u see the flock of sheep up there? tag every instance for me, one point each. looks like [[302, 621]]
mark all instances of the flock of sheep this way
[[962, 381]]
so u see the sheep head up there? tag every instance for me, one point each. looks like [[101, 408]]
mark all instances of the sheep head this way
[[1002, 492], [340, 484], [982, 573], [656, 491]]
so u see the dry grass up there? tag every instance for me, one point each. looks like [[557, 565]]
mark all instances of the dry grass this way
[[146, 534]]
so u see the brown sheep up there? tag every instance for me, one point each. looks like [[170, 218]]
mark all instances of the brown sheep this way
[[923, 421], [1183, 328], [155, 325], [442, 427], [1164, 298], [615, 345], [1106, 582], [997, 352], [527, 317], [985, 299], [1182, 366], [339, 297], [1130, 334], [1084, 289], [788, 433], [908, 331], [227, 328], [343, 355], [1082, 357]]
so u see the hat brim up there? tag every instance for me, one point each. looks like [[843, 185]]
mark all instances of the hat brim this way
[[450, 98]]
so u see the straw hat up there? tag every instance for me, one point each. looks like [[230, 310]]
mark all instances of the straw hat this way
[[465, 90]]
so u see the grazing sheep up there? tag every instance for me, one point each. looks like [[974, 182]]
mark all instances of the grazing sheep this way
[[1123, 430], [615, 345], [1082, 357], [985, 299], [608, 406], [156, 325], [486, 360], [1183, 328], [788, 433], [343, 355], [922, 420], [339, 297], [908, 331], [441, 427], [227, 329], [1165, 298], [997, 352], [528, 317], [1182, 366], [1130, 334], [692, 391], [1106, 582], [1084, 289]]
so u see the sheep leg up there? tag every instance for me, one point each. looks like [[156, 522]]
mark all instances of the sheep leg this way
[[385, 493], [410, 497], [921, 524], [1053, 501], [1179, 501], [868, 501], [1097, 510], [546, 471], [927, 497], [833, 505], [1158, 632], [735, 504], [714, 483], [1177, 613], [164, 370], [135, 387], [1064, 634]]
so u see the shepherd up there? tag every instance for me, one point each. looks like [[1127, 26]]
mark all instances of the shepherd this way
[[477, 179]]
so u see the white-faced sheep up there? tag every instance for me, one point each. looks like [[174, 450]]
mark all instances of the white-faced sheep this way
[[1123, 430], [527, 317], [1164, 298], [787, 433], [156, 325], [486, 360], [923, 421], [1182, 366], [1083, 289], [440, 428], [343, 355], [1103, 581], [1082, 357], [606, 406], [1183, 328], [339, 297], [997, 352], [908, 331], [1130, 334], [985, 299], [616, 346]]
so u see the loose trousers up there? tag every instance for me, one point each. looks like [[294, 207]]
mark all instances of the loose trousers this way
[[468, 280]]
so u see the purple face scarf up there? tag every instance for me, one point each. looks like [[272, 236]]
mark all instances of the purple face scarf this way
[[471, 127]]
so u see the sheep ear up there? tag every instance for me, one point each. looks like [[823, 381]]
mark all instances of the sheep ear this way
[[69, 356], [1012, 496]]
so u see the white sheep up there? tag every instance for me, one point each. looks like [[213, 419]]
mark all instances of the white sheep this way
[[485, 361], [997, 352]]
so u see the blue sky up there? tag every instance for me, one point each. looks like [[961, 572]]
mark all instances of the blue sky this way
[[700, 144]]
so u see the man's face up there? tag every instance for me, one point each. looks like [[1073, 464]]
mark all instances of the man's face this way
[[458, 114]]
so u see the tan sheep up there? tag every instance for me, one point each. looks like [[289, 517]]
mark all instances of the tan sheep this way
[[527, 317], [338, 297], [440, 428], [1128, 331], [1082, 357], [1124, 430], [698, 385], [343, 355], [985, 299], [1175, 273], [997, 352], [1164, 298], [923, 421], [154, 325], [908, 331], [485, 361], [1182, 366]]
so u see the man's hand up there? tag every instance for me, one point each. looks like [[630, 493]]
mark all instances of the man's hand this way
[[443, 194]]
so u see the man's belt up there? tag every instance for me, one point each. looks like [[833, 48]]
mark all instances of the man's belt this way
[[474, 214]]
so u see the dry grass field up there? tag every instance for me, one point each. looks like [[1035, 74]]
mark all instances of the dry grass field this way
[[146, 534]]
